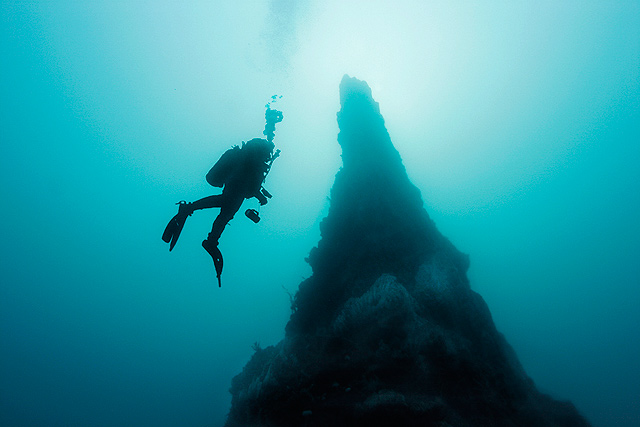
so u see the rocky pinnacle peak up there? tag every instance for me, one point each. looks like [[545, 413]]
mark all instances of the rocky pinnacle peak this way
[[387, 330]]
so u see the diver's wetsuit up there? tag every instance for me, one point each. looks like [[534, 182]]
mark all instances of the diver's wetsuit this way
[[229, 203], [245, 182]]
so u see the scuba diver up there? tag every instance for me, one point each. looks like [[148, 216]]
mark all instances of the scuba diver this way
[[241, 171]]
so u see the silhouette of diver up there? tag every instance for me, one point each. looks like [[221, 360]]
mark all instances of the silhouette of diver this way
[[241, 171]]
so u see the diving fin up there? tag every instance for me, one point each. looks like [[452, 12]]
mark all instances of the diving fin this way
[[212, 249], [174, 228], [168, 231]]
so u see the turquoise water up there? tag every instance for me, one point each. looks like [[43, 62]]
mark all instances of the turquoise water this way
[[518, 122]]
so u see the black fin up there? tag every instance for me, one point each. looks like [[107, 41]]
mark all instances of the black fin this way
[[174, 228], [168, 231], [218, 262], [178, 221], [212, 249]]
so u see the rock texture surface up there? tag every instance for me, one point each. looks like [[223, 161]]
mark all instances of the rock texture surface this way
[[387, 330]]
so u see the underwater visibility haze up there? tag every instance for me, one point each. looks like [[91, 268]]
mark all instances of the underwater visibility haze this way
[[519, 124]]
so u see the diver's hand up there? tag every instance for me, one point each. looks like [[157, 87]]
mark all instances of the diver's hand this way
[[263, 200]]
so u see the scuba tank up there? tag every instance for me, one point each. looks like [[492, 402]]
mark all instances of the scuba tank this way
[[222, 170]]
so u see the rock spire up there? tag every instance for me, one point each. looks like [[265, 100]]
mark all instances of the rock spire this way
[[387, 330]]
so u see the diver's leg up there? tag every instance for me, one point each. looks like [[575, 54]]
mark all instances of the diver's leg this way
[[228, 209], [227, 212], [174, 228], [215, 201]]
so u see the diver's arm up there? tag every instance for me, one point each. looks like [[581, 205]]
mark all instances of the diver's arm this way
[[263, 200], [255, 190], [256, 186]]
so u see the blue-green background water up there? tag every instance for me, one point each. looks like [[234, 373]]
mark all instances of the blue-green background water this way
[[519, 122]]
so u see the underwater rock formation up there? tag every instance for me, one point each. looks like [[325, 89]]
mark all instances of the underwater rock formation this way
[[387, 330]]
